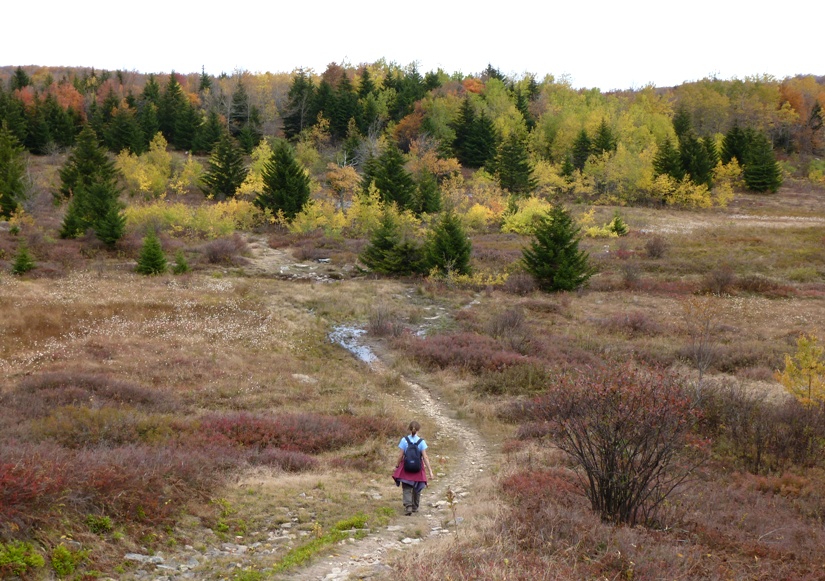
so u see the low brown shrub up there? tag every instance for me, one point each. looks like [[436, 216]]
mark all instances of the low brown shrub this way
[[719, 280], [520, 283], [385, 322], [632, 324], [284, 459], [510, 328], [227, 250], [656, 247], [524, 378]]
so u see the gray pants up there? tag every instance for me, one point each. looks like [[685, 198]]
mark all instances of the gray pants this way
[[411, 498]]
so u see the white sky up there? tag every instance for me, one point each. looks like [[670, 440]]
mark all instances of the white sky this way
[[609, 44]]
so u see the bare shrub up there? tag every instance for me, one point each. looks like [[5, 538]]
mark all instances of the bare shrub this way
[[625, 428], [702, 319], [384, 321], [631, 275], [656, 247], [719, 280], [510, 327], [518, 379], [633, 324], [520, 283], [284, 459], [758, 284], [226, 250]]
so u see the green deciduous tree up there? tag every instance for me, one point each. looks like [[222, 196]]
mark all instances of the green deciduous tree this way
[[286, 183], [225, 170], [448, 248], [553, 257], [12, 172], [804, 373]]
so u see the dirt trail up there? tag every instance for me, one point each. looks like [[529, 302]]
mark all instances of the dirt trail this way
[[365, 559]]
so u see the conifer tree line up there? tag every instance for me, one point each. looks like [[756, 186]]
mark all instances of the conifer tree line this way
[[517, 130]]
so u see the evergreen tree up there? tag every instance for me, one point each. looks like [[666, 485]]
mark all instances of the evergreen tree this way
[[87, 164], [298, 111], [682, 123], [695, 159], [12, 172], [735, 145], [476, 139], [463, 128], [366, 86], [19, 79], [286, 183], [151, 260], [428, 198], [209, 133], [522, 101], [38, 136], [111, 226], [604, 140], [148, 122], [225, 171], [151, 92], [205, 81], [187, 127], [13, 112], [393, 180], [388, 252], [513, 166], [713, 152], [553, 257], [172, 105], [60, 122], [369, 169], [180, 266], [124, 132], [244, 120], [618, 225], [582, 148], [345, 107], [448, 249], [23, 261], [95, 207], [668, 161], [761, 171]]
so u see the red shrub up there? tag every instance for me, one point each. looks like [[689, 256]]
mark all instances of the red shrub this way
[[468, 351]]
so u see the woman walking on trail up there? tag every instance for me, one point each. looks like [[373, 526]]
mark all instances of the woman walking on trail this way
[[410, 473]]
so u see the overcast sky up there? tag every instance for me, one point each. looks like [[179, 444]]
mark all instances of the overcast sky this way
[[597, 43]]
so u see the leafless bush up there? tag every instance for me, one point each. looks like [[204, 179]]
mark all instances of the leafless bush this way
[[510, 327], [520, 283], [225, 250], [384, 322], [633, 323], [656, 247], [719, 280], [631, 275], [701, 316]]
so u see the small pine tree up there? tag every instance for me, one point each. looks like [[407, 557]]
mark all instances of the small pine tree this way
[[604, 140], [734, 145], [448, 249], [618, 225], [23, 261], [151, 260], [388, 252], [180, 266], [695, 159], [682, 123], [87, 164], [111, 226], [428, 199], [393, 180], [286, 183], [553, 257], [225, 170]]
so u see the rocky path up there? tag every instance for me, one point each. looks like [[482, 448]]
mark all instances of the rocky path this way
[[365, 559]]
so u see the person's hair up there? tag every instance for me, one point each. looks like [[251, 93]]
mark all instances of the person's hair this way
[[414, 427]]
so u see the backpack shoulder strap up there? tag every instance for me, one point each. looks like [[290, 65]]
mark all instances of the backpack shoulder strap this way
[[409, 442]]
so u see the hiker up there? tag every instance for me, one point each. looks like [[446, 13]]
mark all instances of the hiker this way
[[410, 473]]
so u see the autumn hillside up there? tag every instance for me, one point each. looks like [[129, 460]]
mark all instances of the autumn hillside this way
[[607, 310]]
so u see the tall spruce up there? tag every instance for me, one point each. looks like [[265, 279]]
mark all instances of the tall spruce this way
[[286, 183], [392, 179], [12, 172], [428, 196], [513, 166], [95, 207], [87, 164], [761, 172], [695, 159], [225, 171], [582, 148], [667, 161], [476, 139], [299, 108], [605, 140], [682, 123], [553, 256], [735, 144], [448, 248], [171, 106]]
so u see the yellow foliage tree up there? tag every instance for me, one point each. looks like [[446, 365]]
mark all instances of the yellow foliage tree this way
[[148, 174], [804, 373], [253, 184], [343, 181], [523, 221]]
